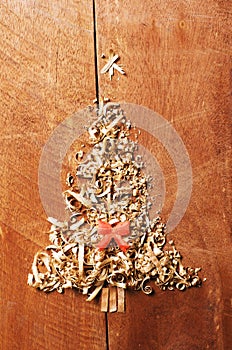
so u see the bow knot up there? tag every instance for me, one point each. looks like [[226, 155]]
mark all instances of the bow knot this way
[[113, 233]]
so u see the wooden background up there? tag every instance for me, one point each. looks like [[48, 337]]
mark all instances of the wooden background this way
[[177, 58]]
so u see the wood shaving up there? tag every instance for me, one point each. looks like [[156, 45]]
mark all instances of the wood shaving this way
[[115, 190], [111, 65], [121, 299], [59, 268]]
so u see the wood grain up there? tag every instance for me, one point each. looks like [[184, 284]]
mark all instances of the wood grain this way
[[176, 55], [47, 73]]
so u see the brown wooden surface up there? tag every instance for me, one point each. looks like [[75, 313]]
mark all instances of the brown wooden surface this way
[[47, 73], [177, 58]]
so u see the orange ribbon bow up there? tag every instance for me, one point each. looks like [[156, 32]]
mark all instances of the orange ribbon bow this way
[[113, 233]]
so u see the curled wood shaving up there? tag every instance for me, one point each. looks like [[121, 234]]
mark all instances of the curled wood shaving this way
[[88, 270], [79, 197], [117, 191]]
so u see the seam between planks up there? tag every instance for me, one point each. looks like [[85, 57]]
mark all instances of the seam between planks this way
[[97, 96], [95, 51]]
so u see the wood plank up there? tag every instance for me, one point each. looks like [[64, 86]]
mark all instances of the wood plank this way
[[176, 55], [105, 299], [121, 299], [47, 73], [113, 299]]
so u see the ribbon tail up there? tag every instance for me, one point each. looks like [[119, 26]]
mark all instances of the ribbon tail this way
[[121, 243]]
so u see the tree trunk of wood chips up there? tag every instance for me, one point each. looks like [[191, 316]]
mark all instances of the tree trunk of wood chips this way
[[176, 55]]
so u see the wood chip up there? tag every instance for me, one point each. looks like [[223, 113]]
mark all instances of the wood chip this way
[[105, 299], [95, 293], [121, 299], [109, 64], [113, 299]]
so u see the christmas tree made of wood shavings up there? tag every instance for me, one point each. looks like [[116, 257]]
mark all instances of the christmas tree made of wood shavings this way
[[109, 243]]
